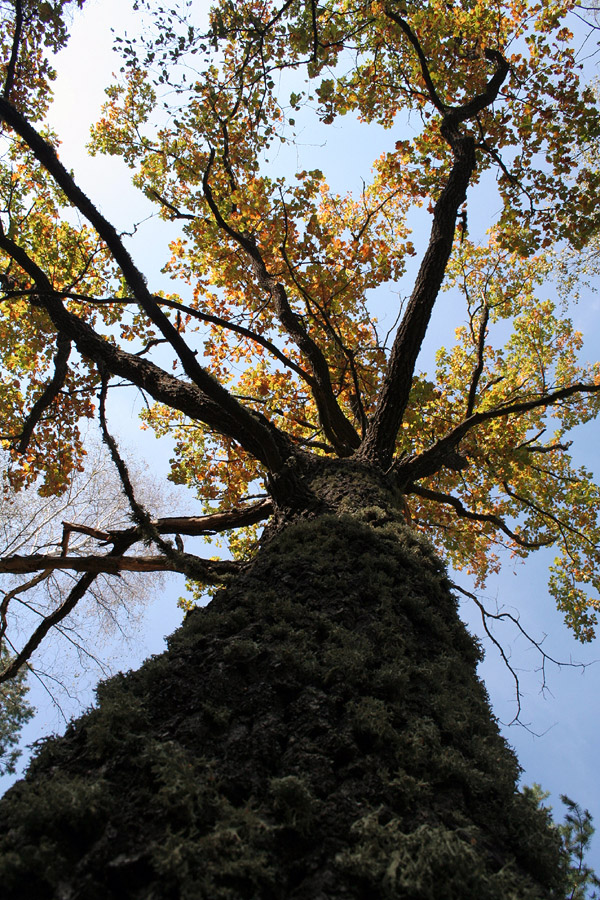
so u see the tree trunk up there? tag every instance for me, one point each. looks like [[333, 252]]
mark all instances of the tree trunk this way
[[317, 732]]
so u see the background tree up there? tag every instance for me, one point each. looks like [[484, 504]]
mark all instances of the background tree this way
[[35, 608], [14, 712], [346, 743]]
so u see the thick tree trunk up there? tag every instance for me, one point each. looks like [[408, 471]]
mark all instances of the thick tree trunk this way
[[317, 732]]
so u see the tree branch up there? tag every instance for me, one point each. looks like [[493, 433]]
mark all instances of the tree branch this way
[[44, 627], [500, 616], [50, 392], [210, 387], [549, 448], [189, 525], [176, 560], [428, 462], [464, 513], [241, 330], [209, 318], [546, 514], [251, 430], [395, 390], [14, 593], [337, 427], [457, 114], [349, 354], [208, 570], [484, 620], [14, 54], [405, 27], [479, 366], [378, 445]]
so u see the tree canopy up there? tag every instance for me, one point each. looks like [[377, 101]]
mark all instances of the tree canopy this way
[[268, 350]]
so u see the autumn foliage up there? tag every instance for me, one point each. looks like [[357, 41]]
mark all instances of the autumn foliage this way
[[270, 343]]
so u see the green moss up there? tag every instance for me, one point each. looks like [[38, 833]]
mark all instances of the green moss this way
[[293, 802], [371, 722], [74, 807], [318, 730], [429, 863]]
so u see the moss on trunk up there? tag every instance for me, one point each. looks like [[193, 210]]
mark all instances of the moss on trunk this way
[[317, 732]]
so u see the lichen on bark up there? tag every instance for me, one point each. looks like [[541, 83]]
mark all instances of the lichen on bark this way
[[317, 731]]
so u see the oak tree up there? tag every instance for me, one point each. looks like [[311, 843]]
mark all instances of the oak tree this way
[[318, 730]]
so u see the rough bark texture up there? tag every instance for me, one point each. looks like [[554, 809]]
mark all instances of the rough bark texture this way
[[317, 732]]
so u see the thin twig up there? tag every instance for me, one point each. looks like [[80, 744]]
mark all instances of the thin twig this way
[[546, 658]]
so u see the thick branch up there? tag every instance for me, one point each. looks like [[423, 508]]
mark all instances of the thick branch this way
[[49, 393], [235, 412], [378, 445], [454, 115], [457, 114], [189, 525], [252, 431], [210, 571], [208, 318], [549, 448], [14, 54]]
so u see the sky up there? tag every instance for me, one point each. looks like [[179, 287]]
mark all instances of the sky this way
[[558, 749]]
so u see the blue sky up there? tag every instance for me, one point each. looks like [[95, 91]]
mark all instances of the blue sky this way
[[563, 757]]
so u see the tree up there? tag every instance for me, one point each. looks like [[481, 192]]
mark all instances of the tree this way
[[34, 607], [318, 730], [14, 712]]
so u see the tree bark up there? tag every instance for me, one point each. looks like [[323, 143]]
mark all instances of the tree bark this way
[[317, 732]]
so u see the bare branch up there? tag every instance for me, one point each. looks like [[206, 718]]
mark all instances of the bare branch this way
[[210, 571], [484, 619], [11, 595], [546, 658], [48, 622], [175, 212], [69, 527]]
